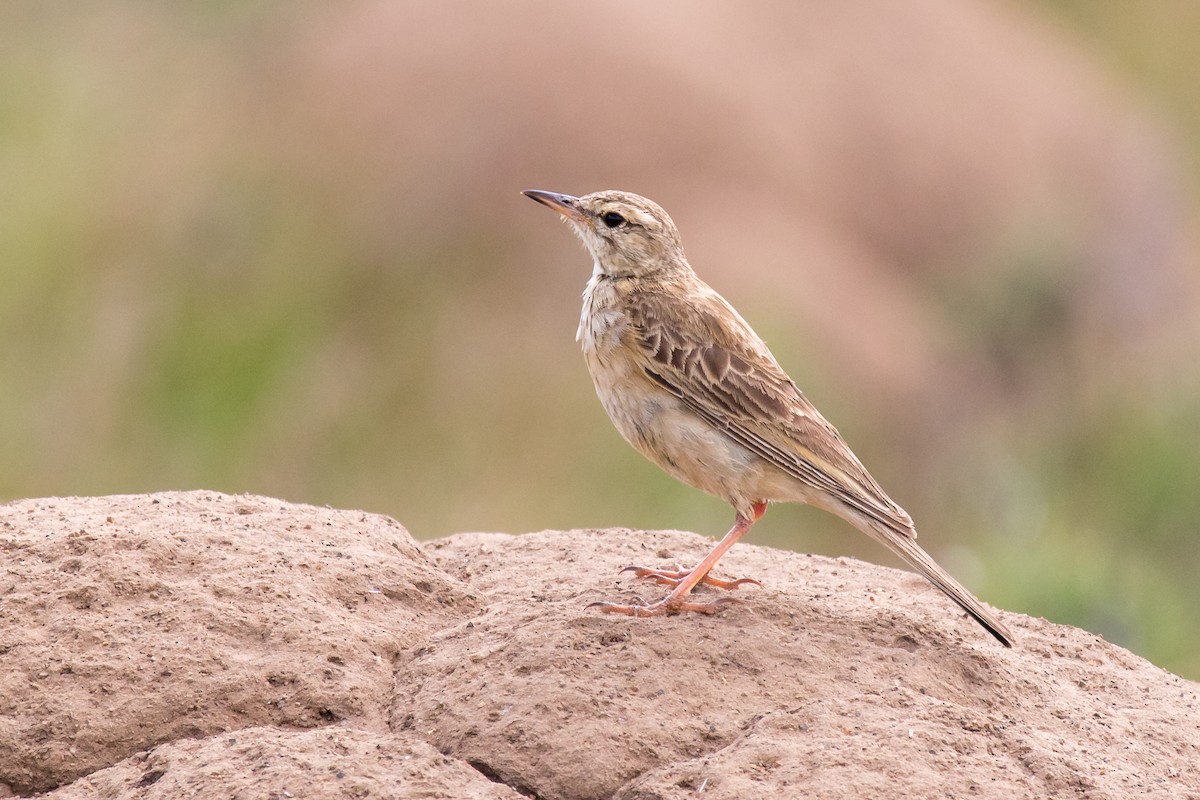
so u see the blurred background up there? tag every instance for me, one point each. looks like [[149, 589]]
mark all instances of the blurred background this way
[[279, 247]]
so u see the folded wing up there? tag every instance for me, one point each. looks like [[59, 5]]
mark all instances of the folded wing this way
[[719, 368]]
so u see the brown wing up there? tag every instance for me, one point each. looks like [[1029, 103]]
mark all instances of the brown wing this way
[[713, 361]]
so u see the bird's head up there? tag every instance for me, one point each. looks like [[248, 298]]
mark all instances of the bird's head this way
[[627, 235]]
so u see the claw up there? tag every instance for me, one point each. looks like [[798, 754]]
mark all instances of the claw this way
[[660, 576], [723, 584], [674, 571], [635, 610], [684, 580], [673, 577]]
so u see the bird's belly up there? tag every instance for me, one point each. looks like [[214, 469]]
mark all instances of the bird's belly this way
[[661, 428], [686, 447]]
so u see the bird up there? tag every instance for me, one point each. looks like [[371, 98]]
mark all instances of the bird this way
[[690, 385]]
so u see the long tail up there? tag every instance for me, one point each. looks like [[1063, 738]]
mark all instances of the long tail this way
[[905, 546]]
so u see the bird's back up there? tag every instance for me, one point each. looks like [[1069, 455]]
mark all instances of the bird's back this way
[[700, 377]]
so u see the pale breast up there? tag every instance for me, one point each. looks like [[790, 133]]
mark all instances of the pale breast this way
[[601, 322], [651, 419]]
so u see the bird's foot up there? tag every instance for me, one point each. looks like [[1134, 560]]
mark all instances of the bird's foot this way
[[673, 577], [664, 607]]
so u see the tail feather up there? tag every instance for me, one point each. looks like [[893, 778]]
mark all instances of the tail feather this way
[[905, 546]]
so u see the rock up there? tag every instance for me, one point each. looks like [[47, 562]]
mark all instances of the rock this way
[[194, 644], [130, 621], [837, 679], [268, 762]]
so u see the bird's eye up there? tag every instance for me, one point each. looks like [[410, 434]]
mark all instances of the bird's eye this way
[[612, 219]]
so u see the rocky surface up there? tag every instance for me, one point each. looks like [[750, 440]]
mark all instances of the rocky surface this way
[[195, 644]]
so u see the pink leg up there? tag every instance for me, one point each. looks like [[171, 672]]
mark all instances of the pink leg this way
[[672, 577], [684, 582]]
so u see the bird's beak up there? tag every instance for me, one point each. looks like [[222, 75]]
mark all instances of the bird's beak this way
[[564, 204]]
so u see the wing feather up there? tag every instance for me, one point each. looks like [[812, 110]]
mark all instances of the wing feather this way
[[720, 369]]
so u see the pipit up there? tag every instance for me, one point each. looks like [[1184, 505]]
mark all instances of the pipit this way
[[693, 388]]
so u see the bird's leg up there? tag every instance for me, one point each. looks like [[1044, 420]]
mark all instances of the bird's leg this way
[[684, 582], [672, 577]]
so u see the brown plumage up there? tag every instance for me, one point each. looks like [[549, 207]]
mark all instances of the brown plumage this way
[[689, 384]]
